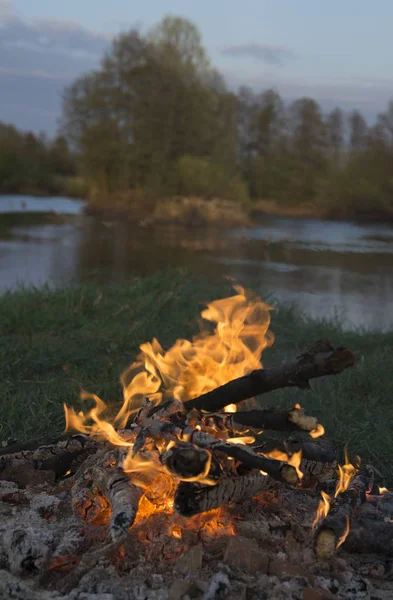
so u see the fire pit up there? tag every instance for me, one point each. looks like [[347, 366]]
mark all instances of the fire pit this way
[[183, 480]]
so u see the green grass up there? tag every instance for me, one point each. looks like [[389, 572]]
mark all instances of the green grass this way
[[54, 342]]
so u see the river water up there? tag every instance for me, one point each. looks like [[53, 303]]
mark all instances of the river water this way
[[329, 268]]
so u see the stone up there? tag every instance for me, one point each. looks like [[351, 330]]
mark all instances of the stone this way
[[242, 553], [191, 560]]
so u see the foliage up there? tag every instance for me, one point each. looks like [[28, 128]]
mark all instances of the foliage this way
[[156, 121], [31, 164], [55, 342]]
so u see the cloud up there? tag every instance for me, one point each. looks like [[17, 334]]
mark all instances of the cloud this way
[[272, 55], [37, 59]]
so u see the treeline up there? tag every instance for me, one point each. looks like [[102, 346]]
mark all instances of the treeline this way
[[157, 120], [33, 164]]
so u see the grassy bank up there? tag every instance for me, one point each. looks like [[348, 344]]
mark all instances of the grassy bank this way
[[311, 210], [55, 342]]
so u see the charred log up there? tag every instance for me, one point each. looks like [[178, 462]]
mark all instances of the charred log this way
[[194, 498], [370, 536], [320, 360], [190, 463], [277, 469], [56, 456], [334, 528]]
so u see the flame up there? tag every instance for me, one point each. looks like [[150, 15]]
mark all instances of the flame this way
[[322, 510], [317, 432], [345, 534], [188, 369], [346, 473], [243, 440], [294, 459], [383, 490]]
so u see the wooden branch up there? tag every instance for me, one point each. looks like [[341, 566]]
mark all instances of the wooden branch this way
[[193, 498], [320, 360], [333, 529], [277, 469], [319, 458], [276, 419]]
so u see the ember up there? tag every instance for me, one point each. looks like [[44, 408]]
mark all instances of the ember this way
[[178, 452]]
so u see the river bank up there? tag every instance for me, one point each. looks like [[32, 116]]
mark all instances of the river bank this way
[[55, 342], [261, 208]]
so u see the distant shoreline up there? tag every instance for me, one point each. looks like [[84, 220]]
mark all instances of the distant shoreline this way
[[197, 212]]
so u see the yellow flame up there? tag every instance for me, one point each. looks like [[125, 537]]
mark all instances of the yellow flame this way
[[243, 440], [189, 368], [231, 408], [294, 459], [383, 490], [317, 432], [346, 473], [345, 534], [322, 510]]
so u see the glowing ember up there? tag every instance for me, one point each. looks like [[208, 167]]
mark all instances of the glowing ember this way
[[322, 510], [176, 532]]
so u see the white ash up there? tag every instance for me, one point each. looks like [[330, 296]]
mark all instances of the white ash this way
[[45, 530]]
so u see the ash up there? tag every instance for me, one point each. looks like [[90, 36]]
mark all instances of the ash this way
[[259, 549]]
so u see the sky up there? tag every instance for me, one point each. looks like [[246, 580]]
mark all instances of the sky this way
[[339, 52]]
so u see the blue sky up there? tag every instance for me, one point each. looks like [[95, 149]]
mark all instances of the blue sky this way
[[339, 52]]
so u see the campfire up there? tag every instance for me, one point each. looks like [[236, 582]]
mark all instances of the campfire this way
[[180, 459]]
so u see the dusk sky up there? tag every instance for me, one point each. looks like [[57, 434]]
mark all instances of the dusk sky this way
[[339, 52]]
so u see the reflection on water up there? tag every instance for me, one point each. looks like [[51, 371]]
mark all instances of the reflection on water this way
[[329, 268]]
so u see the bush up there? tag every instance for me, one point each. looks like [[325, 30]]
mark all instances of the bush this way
[[197, 176]]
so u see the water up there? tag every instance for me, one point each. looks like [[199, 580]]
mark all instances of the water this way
[[329, 268]]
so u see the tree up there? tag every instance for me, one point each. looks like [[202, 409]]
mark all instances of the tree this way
[[357, 132], [385, 122], [335, 133]]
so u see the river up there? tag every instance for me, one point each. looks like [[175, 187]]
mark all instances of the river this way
[[330, 269]]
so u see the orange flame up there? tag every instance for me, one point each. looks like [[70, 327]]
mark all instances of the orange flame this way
[[346, 473], [345, 534], [383, 490], [294, 459], [322, 510], [189, 368]]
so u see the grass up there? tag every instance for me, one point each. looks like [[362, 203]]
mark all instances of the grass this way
[[53, 342]]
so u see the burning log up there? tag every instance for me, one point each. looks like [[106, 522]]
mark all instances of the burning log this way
[[335, 527], [277, 419], [320, 360], [194, 498], [122, 495], [190, 464]]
